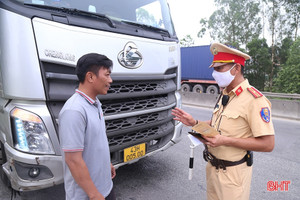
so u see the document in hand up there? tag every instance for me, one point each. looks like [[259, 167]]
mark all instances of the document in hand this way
[[204, 129]]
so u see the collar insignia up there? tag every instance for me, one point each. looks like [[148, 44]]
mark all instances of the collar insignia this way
[[239, 91]]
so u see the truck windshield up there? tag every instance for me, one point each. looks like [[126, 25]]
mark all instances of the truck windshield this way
[[147, 13]]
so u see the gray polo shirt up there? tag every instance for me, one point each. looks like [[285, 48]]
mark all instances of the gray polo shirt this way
[[82, 128]]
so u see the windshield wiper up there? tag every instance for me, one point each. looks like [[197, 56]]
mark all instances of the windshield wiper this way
[[75, 11], [148, 27]]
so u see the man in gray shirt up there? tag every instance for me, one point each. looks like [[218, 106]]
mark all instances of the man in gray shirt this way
[[88, 171]]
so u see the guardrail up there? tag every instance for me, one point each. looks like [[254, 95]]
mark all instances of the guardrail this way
[[285, 108], [282, 95]]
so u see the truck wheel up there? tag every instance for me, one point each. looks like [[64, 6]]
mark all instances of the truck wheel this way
[[198, 88], [2, 161], [212, 89], [185, 87]]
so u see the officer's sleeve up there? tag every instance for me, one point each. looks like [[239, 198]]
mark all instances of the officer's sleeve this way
[[71, 131], [259, 117]]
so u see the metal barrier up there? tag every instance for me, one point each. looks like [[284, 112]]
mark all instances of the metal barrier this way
[[283, 108], [282, 95]]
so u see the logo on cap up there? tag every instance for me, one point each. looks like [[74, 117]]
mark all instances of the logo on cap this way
[[130, 57], [215, 51]]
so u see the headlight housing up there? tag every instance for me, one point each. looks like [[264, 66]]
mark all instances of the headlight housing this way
[[29, 132]]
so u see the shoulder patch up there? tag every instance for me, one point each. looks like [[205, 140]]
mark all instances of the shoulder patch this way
[[255, 92], [265, 114]]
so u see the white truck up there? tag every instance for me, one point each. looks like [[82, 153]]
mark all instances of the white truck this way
[[40, 43]]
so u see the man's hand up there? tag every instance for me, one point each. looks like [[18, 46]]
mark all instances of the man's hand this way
[[113, 171], [99, 197]]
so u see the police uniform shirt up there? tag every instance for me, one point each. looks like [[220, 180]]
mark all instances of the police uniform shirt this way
[[247, 114]]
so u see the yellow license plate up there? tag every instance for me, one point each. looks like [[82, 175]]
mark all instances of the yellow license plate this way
[[134, 152]]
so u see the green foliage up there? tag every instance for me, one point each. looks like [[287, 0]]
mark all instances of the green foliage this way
[[258, 68], [288, 80], [240, 23], [284, 50], [292, 17], [235, 22], [187, 41]]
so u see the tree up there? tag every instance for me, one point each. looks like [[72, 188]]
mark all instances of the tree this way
[[288, 79], [286, 44], [256, 70], [187, 41], [283, 21], [275, 21], [292, 17], [235, 22]]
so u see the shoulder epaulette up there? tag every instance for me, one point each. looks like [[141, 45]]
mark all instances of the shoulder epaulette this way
[[255, 92]]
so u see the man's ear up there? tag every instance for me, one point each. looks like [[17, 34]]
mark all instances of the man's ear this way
[[89, 77], [238, 68]]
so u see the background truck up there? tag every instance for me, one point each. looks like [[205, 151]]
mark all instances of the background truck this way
[[195, 75], [40, 43]]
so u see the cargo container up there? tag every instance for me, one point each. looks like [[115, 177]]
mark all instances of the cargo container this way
[[196, 75]]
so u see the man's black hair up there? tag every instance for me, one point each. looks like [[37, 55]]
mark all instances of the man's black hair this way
[[91, 62]]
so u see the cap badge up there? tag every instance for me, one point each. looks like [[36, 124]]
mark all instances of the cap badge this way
[[215, 51]]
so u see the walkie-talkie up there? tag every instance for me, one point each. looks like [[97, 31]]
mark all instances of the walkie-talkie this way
[[225, 100], [249, 158]]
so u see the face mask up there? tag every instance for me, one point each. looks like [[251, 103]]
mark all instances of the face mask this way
[[223, 78]]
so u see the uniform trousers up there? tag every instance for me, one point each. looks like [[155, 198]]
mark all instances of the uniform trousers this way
[[230, 184]]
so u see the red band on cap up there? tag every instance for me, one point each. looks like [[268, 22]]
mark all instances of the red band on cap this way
[[228, 58]]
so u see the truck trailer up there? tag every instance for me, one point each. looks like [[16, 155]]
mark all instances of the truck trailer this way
[[40, 43], [196, 76]]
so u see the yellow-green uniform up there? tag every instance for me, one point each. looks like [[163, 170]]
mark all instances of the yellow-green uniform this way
[[247, 114]]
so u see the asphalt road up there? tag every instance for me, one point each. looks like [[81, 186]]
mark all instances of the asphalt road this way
[[164, 175]]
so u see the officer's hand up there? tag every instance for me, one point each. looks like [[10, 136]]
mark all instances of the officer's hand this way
[[183, 117], [215, 141]]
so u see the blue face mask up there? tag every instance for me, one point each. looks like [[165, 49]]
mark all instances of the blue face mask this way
[[223, 78]]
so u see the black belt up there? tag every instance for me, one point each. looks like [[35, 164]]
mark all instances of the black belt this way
[[218, 163]]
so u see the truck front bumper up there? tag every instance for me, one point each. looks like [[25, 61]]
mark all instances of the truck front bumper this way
[[32, 172]]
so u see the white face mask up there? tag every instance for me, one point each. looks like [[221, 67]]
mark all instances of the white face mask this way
[[223, 78]]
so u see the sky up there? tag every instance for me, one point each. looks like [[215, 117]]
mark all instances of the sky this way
[[186, 17]]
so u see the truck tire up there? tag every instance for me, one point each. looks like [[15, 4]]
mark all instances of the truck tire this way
[[212, 89], [185, 87], [4, 178], [198, 88]]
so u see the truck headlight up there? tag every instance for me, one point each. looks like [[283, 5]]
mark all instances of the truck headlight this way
[[29, 132]]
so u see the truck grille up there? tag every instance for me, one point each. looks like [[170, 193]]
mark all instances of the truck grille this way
[[119, 124], [134, 104], [136, 109], [138, 87], [139, 136]]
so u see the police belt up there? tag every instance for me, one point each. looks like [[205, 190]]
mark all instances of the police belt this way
[[218, 163]]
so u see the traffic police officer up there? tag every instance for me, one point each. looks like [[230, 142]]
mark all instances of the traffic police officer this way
[[242, 116]]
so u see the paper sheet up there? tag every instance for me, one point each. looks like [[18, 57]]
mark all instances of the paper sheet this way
[[195, 141], [204, 129]]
